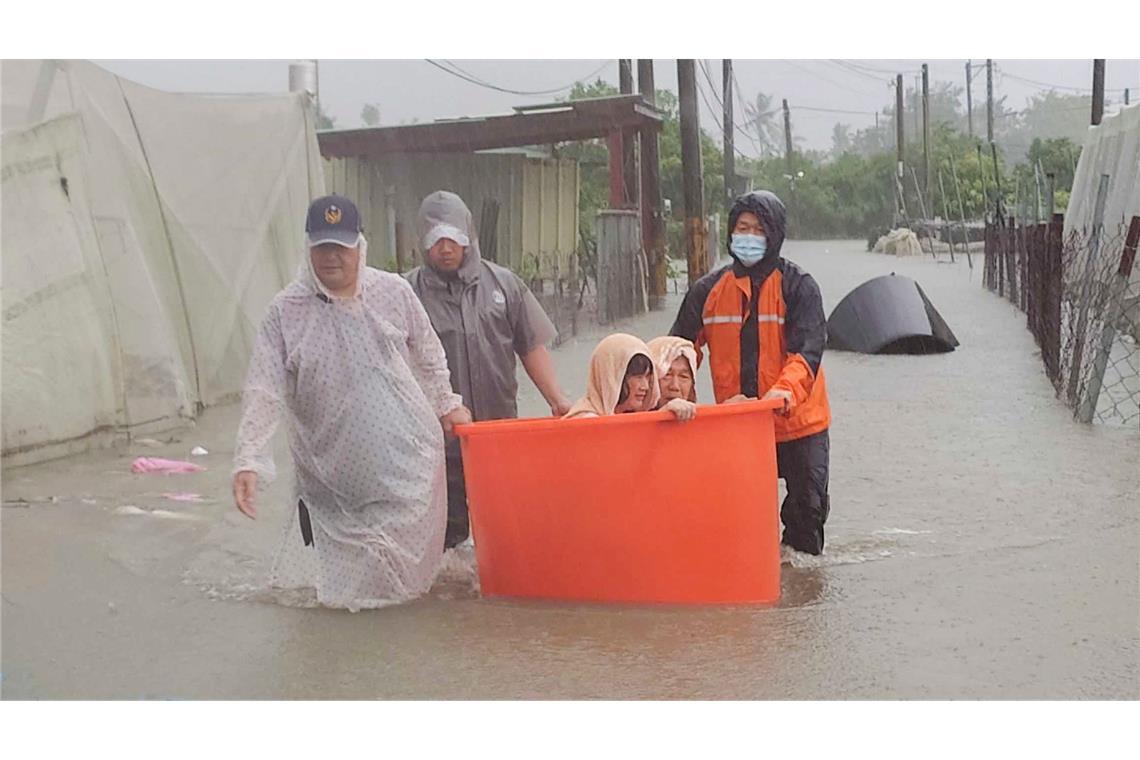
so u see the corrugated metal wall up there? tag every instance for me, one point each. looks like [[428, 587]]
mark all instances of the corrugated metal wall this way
[[537, 228]]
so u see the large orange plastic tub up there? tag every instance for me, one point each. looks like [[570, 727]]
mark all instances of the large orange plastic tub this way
[[629, 508]]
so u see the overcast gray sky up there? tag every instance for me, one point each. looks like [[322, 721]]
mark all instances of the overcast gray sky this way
[[414, 89]]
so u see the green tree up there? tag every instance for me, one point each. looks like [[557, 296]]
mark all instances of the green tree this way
[[370, 115]]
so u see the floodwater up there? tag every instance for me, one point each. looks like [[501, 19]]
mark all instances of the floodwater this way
[[981, 545]]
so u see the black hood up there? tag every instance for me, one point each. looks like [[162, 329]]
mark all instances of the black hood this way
[[770, 210]]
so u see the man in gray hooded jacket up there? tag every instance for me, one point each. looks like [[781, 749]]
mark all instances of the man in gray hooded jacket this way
[[484, 315]]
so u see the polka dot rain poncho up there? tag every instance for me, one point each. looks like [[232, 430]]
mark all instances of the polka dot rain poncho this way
[[362, 382]]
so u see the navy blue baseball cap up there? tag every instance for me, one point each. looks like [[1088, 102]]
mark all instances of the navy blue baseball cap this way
[[333, 219]]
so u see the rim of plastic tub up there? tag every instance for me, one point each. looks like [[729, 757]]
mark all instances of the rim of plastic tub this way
[[544, 424]]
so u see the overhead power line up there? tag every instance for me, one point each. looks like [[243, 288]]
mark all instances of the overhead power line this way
[[865, 67], [703, 65], [716, 119], [456, 71], [832, 82], [848, 68], [1084, 90], [831, 110]]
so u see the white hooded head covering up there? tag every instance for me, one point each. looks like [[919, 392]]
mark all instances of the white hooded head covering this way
[[307, 276]]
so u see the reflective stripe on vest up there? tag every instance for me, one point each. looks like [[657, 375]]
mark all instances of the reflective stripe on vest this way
[[740, 320]]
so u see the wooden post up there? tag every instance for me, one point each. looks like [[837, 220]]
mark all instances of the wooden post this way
[[989, 101], [917, 91], [985, 190], [899, 142], [1098, 91], [926, 138], [729, 128], [617, 171], [1051, 350], [652, 223], [1051, 189], [691, 171], [629, 158], [1038, 178], [788, 137], [969, 99]]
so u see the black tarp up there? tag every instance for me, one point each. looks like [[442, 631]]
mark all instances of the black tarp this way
[[888, 315]]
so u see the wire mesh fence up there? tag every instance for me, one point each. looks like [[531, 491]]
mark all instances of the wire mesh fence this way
[[1081, 295]]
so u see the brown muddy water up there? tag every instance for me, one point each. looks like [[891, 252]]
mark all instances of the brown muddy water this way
[[981, 545]]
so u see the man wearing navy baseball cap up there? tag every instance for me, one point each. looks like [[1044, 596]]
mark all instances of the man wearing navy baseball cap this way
[[347, 353], [334, 236]]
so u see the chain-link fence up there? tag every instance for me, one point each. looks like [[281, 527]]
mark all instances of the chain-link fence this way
[[1081, 296]]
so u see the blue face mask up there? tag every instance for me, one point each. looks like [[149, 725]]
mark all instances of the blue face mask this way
[[749, 249]]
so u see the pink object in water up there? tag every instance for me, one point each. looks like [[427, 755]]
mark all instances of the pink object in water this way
[[155, 464]]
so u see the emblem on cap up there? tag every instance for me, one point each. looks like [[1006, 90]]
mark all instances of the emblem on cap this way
[[332, 215]]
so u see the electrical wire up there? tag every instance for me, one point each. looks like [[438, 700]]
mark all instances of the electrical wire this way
[[832, 82], [844, 66], [718, 122], [1026, 80], [745, 133], [879, 71], [456, 71]]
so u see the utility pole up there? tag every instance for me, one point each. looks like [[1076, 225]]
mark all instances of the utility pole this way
[[990, 101], [652, 224], [628, 157], [787, 136], [899, 138], [1098, 91], [691, 173], [926, 138], [729, 128], [917, 79], [969, 99]]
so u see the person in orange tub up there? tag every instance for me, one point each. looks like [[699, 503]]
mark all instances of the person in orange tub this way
[[623, 379], [676, 360]]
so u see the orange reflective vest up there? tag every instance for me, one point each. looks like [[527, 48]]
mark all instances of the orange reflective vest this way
[[758, 341]]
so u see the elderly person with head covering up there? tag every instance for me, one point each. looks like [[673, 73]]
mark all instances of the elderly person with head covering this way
[[622, 379], [485, 316], [676, 361], [347, 355]]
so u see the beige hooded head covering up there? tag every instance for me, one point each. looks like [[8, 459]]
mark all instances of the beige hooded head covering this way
[[607, 372], [666, 349]]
